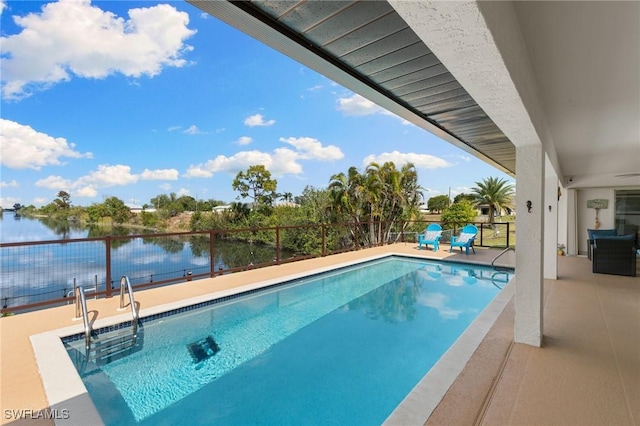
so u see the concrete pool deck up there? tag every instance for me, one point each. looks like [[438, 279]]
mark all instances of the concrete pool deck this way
[[588, 371]]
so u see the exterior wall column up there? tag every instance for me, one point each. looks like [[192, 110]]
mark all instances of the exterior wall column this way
[[530, 166], [572, 222], [551, 215]]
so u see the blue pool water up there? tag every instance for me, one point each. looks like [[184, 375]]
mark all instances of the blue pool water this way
[[338, 348]]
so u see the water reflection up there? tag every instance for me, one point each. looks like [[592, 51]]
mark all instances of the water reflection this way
[[393, 302], [61, 227], [30, 274], [443, 288]]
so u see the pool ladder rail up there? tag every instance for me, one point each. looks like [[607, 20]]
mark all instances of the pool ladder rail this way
[[104, 348], [500, 270], [81, 311]]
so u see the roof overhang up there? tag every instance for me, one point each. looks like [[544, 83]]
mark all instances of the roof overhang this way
[[368, 48]]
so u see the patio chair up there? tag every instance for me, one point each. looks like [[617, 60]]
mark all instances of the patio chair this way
[[431, 235], [615, 255], [597, 233], [465, 239]]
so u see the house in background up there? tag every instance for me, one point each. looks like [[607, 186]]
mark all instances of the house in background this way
[[221, 209]]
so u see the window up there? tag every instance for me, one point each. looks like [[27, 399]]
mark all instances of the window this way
[[627, 211]]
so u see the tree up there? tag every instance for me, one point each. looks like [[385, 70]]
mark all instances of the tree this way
[[346, 194], [186, 203], [287, 197], [380, 196], [116, 209], [496, 193], [316, 203], [161, 201], [95, 212], [469, 197], [458, 214], [239, 211], [256, 183], [64, 200], [438, 203]]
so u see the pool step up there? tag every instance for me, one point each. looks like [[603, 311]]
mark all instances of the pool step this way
[[106, 347]]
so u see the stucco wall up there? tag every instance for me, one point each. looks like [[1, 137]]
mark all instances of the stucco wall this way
[[587, 217]]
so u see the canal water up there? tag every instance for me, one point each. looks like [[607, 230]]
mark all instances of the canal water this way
[[36, 273]]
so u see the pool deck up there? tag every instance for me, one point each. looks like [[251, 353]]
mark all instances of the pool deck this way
[[587, 372]]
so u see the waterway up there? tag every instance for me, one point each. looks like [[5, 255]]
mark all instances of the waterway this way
[[33, 273]]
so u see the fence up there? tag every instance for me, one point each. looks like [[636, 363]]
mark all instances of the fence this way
[[44, 273]]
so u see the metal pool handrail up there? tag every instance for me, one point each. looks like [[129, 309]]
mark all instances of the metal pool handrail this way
[[499, 268], [81, 309], [125, 285]]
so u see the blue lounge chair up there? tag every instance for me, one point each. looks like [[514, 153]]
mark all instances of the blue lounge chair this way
[[431, 235], [465, 239]]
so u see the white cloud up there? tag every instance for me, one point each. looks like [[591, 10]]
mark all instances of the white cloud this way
[[421, 161], [280, 162], [244, 140], [460, 190], [8, 202], [258, 120], [160, 174], [312, 149], [193, 130], [24, 148], [12, 184], [165, 186], [198, 171], [40, 201], [439, 302], [358, 105], [277, 163], [3, 5], [86, 191], [54, 182], [104, 177], [183, 191], [94, 43]]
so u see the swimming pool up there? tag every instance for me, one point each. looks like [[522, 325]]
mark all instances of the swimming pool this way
[[343, 347]]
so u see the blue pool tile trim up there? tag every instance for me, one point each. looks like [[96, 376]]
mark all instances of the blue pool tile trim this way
[[141, 321]]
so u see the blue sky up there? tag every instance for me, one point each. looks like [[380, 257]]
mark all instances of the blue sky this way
[[99, 99]]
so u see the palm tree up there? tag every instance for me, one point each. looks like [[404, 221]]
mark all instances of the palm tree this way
[[496, 193], [380, 196]]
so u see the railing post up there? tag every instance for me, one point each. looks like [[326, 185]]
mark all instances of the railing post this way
[[356, 231], [277, 245], [107, 245], [211, 253], [481, 233], [76, 295], [324, 239], [508, 235]]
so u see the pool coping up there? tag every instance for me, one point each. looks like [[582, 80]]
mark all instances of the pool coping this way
[[419, 404], [66, 392]]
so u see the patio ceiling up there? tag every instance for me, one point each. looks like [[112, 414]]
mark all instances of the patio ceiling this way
[[583, 65]]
